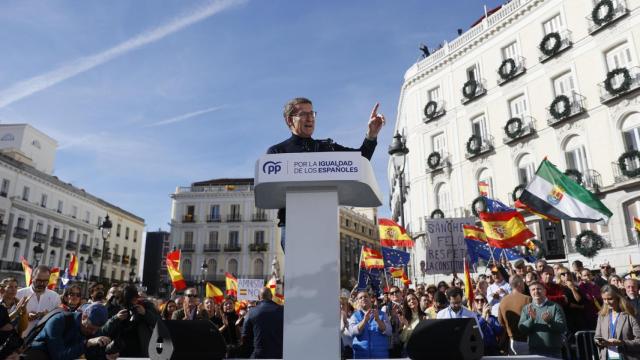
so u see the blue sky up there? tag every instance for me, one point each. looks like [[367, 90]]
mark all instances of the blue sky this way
[[143, 96]]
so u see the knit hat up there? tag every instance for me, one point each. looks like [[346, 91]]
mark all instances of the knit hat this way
[[97, 314]]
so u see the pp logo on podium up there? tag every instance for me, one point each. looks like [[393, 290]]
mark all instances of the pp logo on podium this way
[[271, 167]]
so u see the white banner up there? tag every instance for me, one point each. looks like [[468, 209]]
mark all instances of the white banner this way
[[446, 248], [248, 289]]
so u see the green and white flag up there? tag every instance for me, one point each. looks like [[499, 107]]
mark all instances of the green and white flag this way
[[553, 193]]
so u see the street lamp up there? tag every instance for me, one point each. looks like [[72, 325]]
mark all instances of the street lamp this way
[[204, 268], [38, 251], [106, 232], [398, 151], [132, 276]]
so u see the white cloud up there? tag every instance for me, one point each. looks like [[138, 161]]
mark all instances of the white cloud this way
[[41, 82], [184, 117]]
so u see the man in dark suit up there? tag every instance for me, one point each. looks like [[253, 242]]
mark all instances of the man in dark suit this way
[[263, 328], [191, 309]]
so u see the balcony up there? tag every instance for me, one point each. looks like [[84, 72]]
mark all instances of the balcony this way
[[433, 110], [106, 256], [477, 146], [117, 258], [134, 261], [84, 249], [234, 218], [211, 248], [567, 107], [56, 241], [632, 167], [437, 161], [71, 245], [20, 233], [619, 11], [39, 237], [96, 253], [125, 260], [620, 84], [10, 265], [260, 217], [513, 134], [232, 248], [189, 218], [473, 90], [3, 228], [510, 69], [214, 218], [554, 48], [258, 247], [187, 247]]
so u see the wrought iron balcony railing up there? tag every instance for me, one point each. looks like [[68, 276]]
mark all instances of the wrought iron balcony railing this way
[[20, 233], [39, 237], [258, 247]]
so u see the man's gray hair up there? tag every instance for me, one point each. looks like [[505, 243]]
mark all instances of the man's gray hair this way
[[289, 108], [516, 282]]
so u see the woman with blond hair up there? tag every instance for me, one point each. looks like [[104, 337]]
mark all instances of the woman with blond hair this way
[[617, 332]]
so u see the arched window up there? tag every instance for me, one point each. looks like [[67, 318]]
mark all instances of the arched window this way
[[631, 132], [232, 267], [212, 267], [16, 251], [81, 266], [66, 261], [575, 154], [121, 275], [485, 177], [52, 258], [526, 169], [631, 209], [258, 268], [186, 267], [443, 200]]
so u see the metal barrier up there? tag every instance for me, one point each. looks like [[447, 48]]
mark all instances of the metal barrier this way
[[585, 347]]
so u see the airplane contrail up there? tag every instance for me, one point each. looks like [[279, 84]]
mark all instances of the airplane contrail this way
[[184, 117]]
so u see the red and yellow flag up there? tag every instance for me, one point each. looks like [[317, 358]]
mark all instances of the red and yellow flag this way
[[53, 278], [522, 206], [272, 284], [392, 234], [474, 233], [173, 267], [215, 293], [483, 188], [27, 270], [278, 299], [371, 259], [505, 229], [396, 272], [73, 266], [468, 286], [232, 284], [405, 279], [636, 223]]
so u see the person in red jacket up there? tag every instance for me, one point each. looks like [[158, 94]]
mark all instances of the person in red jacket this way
[[555, 292]]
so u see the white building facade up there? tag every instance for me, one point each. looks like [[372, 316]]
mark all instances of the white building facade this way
[[38, 210], [216, 223], [456, 109]]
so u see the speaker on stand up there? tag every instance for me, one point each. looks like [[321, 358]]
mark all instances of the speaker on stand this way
[[186, 339], [452, 339]]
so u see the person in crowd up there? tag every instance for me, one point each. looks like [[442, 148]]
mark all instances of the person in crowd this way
[[615, 280], [11, 344], [96, 293], [370, 330], [190, 307], [577, 267], [439, 303], [481, 287], [602, 278], [497, 290], [412, 314], [346, 310], [617, 330], [70, 298], [574, 306], [544, 323], [592, 300], [519, 268], [455, 308], [167, 310], [230, 327], [631, 290], [489, 325], [41, 300], [425, 303], [113, 296], [556, 270], [540, 265], [394, 311], [457, 282], [554, 292], [263, 327], [68, 335], [530, 269], [133, 323], [213, 311], [443, 286], [431, 291], [509, 316], [17, 309]]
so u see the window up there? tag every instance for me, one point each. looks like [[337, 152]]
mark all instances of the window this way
[[564, 84], [347, 223], [443, 199], [118, 230], [125, 251], [213, 238], [631, 210], [16, 251], [60, 206], [25, 193], [113, 274], [43, 200], [258, 268], [126, 233], [439, 143], [115, 249], [232, 266], [518, 106], [56, 233], [85, 239], [473, 73], [4, 190], [485, 176], [81, 266], [21, 223], [434, 94], [87, 216], [575, 155], [72, 235], [553, 25], [259, 237], [212, 266], [7, 137], [526, 169], [233, 238], [510, 51], [479, 127], [121, 275], [52, 258], [618, 57], [235, 210], [39, 227], [191, 211], [631, 132], [74, 211], [188, 237], [135, 235], [215, 212]]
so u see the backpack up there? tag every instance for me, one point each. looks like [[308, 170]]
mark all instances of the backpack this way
[[68, 323]]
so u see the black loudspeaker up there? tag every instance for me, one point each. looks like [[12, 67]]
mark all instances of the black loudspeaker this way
[[452, 339], [186, 339]]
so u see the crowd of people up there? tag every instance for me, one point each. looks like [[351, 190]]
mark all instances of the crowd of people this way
[[519, 309], [39, 323]]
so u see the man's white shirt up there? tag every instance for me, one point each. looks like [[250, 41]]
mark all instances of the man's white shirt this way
[[49, 300], [447, 313], [495, 289]]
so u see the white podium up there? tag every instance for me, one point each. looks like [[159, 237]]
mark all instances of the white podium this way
[[311, 186]]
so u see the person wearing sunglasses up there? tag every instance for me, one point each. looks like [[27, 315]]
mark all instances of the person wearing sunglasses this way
[[191, 309], [489, 325], [70, 298]]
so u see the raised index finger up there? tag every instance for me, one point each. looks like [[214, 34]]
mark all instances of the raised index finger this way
[[374, 112]]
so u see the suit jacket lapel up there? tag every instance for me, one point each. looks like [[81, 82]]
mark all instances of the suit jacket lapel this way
[[619, 324]]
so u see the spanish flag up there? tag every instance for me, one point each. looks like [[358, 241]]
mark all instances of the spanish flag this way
[[232, 284], [396, 272], [405, 279], [468, 286], [483, 188], [278, 299], [505, 229], [27, 270], [173, 267], [392, 234], [272, 284], [53, 278], [371, 259], [215, 293], [474, 233], [636, 223], [73, 266], [520, 205]]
